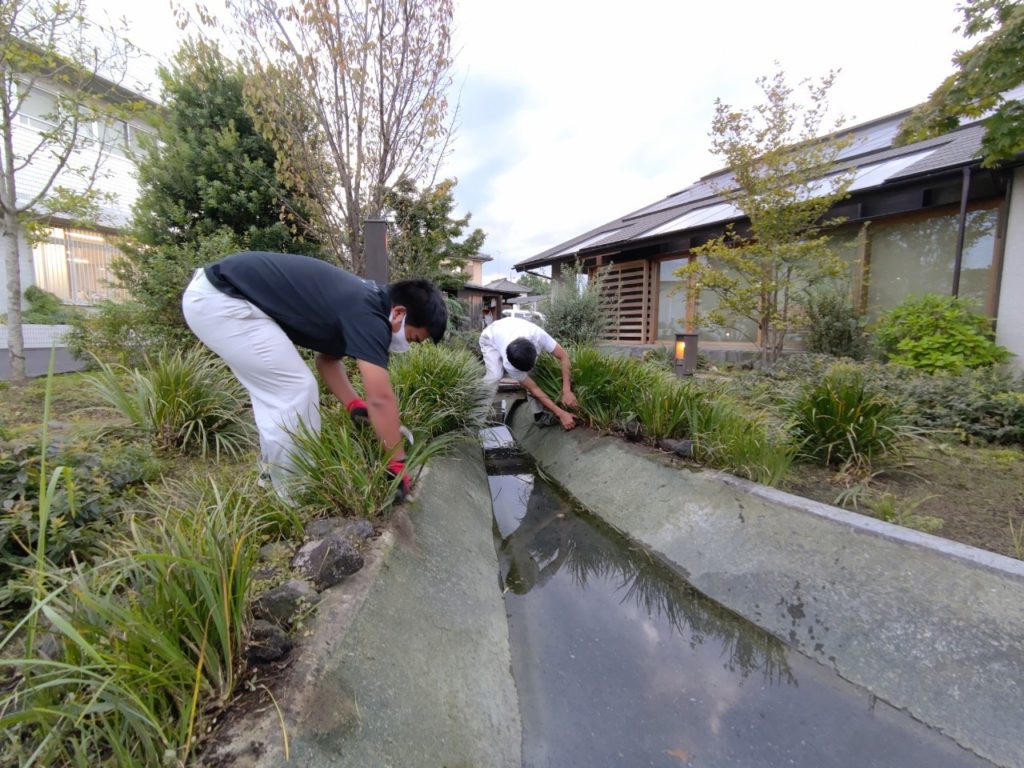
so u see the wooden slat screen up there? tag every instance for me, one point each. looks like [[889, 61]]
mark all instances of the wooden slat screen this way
[[627, 296]]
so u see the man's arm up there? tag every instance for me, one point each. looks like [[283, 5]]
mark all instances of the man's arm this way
[[383, 406], [332, 371], [567, 419], [568, 398]]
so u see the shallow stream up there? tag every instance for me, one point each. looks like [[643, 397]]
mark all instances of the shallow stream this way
[[619, 662]]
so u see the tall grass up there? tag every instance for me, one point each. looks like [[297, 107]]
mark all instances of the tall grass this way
[[441, 397], [839, 422], [186, 401], [148, 643], [613, 389]]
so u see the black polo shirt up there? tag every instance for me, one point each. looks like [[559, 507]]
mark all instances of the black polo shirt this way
[[318, 305]]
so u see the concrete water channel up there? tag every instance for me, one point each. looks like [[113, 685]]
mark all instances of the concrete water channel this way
[[686, 618], [618, 661]]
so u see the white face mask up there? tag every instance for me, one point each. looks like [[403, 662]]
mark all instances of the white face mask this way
[[398, 341]]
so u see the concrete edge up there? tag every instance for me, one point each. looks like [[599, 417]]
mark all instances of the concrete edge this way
[[411, 588], [932, 627], [1007, 566]]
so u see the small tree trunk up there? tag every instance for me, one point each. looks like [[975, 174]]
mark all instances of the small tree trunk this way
[[15, 334]]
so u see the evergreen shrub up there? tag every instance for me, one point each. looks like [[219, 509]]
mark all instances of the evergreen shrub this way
[[937, 333]]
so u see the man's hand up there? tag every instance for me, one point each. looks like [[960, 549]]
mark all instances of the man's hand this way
[[567, 419], [569, 399], [396, 468], [358, 410]]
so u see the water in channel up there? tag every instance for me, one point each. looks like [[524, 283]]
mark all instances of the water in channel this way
[[620, 662]]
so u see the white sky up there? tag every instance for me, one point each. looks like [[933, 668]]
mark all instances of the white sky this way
[[575, 112]]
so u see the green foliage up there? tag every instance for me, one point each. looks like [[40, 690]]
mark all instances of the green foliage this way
[[575, 315], [979, 404], [991, 67], [937, 333], [185, 401], [148, 644], [121, 332], [983, 404], [615, 392], [440, 390], [729, 436], [97, 482], [207, 186], [425, 241], [840, 422], [834, 326], [45, 308], [536, 285], [781, 183], [440, 396]]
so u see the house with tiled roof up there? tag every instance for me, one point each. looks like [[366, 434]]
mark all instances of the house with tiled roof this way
[[920, 218]]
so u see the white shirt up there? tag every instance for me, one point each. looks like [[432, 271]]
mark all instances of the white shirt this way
[[499, 334]]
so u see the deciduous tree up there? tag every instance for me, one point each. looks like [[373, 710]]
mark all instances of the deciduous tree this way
[[371, 76], [782, 181], [60, 106], [425, 240], [985, 72]]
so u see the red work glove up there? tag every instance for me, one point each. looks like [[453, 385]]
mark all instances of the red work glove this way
[[396, 468], [358, 410]]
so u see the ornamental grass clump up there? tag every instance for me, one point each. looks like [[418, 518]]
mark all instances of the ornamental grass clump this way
[[441, 398], [188, 402], [440, 389], [727, 436], [840, 422], [142, 649]]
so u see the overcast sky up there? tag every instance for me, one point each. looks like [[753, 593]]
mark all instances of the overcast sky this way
[[573, 113]]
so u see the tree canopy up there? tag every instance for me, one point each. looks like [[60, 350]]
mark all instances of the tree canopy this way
[[985, 72], [354, 98], [207, 185], [424, 239], [782, 181]]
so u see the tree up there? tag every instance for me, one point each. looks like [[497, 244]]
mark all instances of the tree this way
[[425, 241], [984, 73], [55, 140], [536, 285], [782, 182], [372, 79], [207, 186]]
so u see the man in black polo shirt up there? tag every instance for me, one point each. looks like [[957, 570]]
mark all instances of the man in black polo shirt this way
[[252, 308]]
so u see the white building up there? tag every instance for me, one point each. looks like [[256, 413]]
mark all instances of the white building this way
[[74, 263]]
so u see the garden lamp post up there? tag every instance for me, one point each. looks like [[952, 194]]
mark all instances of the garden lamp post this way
[[686, 354]]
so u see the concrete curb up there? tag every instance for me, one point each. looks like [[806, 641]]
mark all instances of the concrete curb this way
[[930, 626], [408, 662]]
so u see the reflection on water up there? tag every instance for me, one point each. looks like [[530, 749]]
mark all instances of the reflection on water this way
[[618, 661], [550, 536]]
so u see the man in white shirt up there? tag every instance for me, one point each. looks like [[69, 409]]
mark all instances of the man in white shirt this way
[[510, 347]]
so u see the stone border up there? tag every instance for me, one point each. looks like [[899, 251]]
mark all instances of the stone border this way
[[930, 626]]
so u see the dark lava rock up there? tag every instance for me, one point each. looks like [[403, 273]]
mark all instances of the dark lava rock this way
[[268, 642], [328, 561], [282, 604]]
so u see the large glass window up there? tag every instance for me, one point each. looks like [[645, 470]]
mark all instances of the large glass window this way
[[914, 257], [671, 299], [672, 295], [75, 265]]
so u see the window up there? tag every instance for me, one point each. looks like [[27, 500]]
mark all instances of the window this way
[[918, 256], [38, 110], [75, 264], [671, 299]]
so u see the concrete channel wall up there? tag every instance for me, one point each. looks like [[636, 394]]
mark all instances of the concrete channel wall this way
[[930, 626]]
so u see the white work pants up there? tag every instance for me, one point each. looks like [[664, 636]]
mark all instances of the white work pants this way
[[494, 367], [283, 389]]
